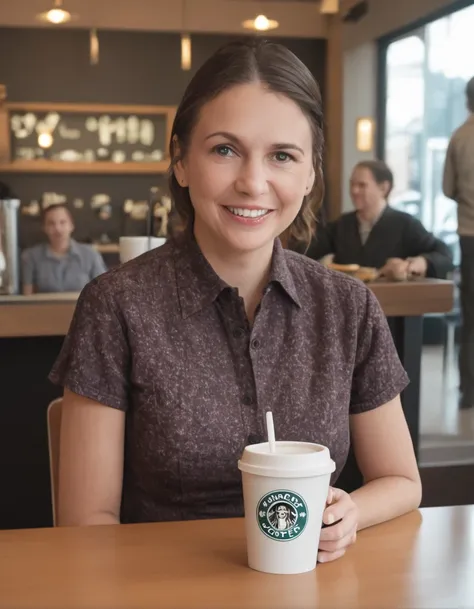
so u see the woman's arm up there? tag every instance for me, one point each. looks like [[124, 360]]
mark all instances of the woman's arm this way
[[90, 463], [386, 459]]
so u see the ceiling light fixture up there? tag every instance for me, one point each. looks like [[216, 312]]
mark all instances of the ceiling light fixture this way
[[330, 7], [261, 23], [57, 15]]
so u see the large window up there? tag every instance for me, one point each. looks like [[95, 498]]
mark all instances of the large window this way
[[426, 74]]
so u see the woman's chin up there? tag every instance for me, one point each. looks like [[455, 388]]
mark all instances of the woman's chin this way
[[247, 242]]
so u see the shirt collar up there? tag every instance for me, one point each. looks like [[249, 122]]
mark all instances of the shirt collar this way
[[73, 251], [281, 274], [199, 285]]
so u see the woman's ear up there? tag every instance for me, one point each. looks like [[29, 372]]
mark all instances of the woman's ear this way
[[179, 169], [310, 182]]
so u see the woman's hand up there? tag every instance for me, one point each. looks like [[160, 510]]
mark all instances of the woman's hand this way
[[336, 538]]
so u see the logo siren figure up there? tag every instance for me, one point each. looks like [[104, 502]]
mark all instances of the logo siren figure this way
[[282, 517]]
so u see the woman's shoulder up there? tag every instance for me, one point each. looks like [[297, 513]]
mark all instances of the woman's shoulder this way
[[136, 275], [316, 283]]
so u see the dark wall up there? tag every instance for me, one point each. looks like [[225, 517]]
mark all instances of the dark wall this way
[[52, 65]]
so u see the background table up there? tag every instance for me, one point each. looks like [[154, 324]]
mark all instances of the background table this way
[[424, 560]]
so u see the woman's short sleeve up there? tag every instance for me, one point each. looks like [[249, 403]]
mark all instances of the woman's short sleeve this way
[[378, 373], [94, 359]]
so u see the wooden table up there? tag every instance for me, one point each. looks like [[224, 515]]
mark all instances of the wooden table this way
[[424, 560]]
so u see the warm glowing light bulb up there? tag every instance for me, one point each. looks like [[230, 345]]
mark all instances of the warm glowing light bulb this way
[[261, 23], [58, 15], [45, 140], [185, 52]]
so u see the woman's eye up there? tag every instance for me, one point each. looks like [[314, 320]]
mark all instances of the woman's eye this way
[[223, 150], [283, 157]]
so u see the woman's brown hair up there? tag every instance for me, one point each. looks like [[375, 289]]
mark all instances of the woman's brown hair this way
[[277, 68]]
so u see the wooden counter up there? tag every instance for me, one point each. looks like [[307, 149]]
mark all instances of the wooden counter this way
[[36, 315], [422, 560], [51, 314]]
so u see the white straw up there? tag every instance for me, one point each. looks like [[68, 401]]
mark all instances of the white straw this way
[[271, 432]]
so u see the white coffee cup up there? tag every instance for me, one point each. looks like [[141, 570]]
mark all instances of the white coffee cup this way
[[131, 247], [285, 496]]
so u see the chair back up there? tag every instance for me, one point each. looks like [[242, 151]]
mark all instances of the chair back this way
[[54, 431]]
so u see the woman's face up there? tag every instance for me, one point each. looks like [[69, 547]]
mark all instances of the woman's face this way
[[248, 167], [366, 194]]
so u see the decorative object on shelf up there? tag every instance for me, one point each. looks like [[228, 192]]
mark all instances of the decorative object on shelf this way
[[101, 203], [161, 212], [78, 203], [32, 209], [69, 134], [53, 198], [80, 138]]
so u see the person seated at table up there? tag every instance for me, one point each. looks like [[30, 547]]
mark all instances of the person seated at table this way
[[376, 235], [173, 359], [61, 264]]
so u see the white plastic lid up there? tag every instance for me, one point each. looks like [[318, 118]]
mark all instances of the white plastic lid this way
[[291, 460]]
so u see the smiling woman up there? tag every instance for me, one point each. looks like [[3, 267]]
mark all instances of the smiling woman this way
[[173, 359]]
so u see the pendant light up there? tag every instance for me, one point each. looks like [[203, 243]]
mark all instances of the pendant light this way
[[186, 52], [261, 23], [94, 47], [57, 15]]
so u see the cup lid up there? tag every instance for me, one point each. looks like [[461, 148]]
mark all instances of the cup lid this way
[[291, 460]]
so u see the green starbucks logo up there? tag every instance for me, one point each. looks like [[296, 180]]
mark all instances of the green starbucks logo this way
[[282, 515]]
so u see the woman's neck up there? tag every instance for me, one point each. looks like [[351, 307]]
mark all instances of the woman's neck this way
[[246, 271]]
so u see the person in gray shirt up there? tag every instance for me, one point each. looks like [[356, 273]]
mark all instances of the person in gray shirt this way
[[62, 264]]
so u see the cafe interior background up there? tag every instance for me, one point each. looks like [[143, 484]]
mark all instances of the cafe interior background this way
[[105, 85]]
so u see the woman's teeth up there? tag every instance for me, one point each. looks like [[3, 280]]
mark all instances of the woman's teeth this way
[[248, 213]]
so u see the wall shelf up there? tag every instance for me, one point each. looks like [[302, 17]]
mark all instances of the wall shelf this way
[[97, 167]]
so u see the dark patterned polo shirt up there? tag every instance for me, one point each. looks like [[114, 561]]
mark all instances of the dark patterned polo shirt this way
[[166, 340]]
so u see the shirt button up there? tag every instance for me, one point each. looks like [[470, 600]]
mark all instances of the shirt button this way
[[253, 439], [238, 333], [255, 343], [247, 400]]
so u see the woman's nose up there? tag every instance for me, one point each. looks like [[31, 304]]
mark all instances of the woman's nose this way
[[252, 180]]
